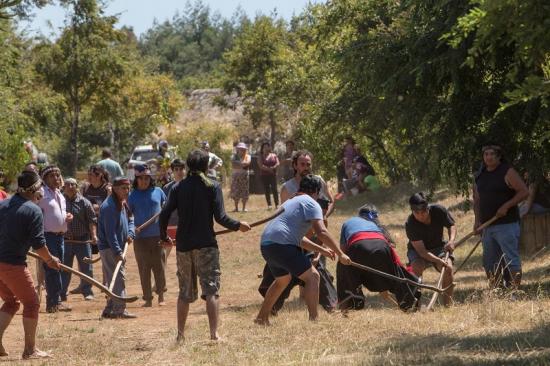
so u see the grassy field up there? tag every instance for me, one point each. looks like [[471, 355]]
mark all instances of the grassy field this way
[[480, 329]]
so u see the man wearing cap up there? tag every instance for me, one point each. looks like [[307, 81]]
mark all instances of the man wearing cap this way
[[56, 218], [115, 229], [426, 247], [282, 242], [21, 227], [498, 189], [214, 161], [81, 231], [367, 242], [198, 200], [145, 201]]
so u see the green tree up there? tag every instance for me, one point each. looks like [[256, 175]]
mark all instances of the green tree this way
[[83, 62]]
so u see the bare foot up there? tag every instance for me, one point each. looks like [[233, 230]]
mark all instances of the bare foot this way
[[313, 318], [264, 322], [180, 338], [3, 351], [215, 337], [36, 354]]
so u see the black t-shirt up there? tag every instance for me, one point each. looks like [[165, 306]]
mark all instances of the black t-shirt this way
[[21, 226], [432, 234]]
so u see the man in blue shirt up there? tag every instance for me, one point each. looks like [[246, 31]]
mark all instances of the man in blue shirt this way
[[115, 229], [110, 165], [145, 202], [282, 242]]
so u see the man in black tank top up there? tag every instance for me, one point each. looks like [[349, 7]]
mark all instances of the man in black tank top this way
[[498, 189]]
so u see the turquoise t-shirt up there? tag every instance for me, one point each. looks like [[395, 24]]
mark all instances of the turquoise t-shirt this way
[[290, 227], [144, 205]]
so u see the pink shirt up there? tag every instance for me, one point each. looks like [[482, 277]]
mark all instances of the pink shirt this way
[[55, 211]]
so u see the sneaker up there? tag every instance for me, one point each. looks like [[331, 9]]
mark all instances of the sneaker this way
[[147, 304], [76, 291], [269, 208], [89, 297], [64, 308]]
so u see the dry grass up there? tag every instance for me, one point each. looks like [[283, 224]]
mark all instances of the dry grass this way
[[480, 329]]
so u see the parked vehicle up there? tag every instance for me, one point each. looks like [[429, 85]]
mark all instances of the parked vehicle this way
[[145, 154]]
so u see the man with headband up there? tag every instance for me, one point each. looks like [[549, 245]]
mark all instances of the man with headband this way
[[21, 227], [498, 189], [56, 218], [426, 247]]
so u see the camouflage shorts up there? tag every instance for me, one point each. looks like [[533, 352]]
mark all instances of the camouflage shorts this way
[[202, 263]]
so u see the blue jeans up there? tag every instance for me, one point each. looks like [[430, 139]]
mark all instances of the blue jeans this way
[[501, 241], [79, 251], [53, 281]]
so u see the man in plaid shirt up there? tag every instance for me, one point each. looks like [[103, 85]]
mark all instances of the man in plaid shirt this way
[[80, 234]]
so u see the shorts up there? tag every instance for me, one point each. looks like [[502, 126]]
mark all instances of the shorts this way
[[203, 263], [413, 256], [284, 259]]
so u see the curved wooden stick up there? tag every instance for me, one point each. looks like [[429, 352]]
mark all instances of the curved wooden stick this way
[[91, 260], [91, 281], [439, 283], [468, 256], [399, 279], [260, 222], [147, 223], [457, 244], [117, 268]]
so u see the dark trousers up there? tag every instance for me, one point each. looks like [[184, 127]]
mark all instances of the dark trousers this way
[[79, 251], [376, 254], [270, 187], [327, 293], [150, 257], [53, 280]]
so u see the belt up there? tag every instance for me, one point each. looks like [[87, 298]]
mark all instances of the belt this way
[[61, 233]]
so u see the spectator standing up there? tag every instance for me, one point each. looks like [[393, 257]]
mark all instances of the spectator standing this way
[[498, 189], [110, 165], [146, 201], [56, 218], [239, 178], [178, 172], [97, 188], [268, 162], [214, 161], [81, 230], [286, 161]]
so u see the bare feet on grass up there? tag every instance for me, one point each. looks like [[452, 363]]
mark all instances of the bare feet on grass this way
[[215, 337], [260, 321], [36, 354], [180, 338]]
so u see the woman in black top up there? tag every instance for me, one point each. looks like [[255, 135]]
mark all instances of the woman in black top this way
[[426, 247]]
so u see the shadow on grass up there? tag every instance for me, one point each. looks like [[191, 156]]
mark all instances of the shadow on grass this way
[[528, 347]]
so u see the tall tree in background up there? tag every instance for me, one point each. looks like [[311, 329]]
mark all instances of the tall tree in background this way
[[191, 45], [83, 62], [252, 69]]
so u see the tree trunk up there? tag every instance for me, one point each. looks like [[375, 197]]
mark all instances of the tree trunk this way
[[272, 125], [74, 138]]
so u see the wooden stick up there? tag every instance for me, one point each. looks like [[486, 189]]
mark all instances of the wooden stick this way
[[71, 241], [468, 256], [474, 232], [399, 279], [260, 222], [91, 260], [117, 268], [439, 283], [147, 223], [91, 281]]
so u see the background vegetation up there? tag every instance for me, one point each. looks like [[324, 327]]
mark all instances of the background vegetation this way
[[420, 84]]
